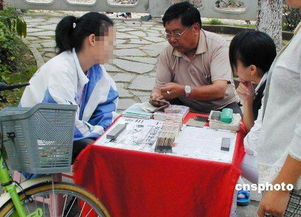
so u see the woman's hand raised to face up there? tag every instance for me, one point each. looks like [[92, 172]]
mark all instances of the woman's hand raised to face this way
[[246, 91]]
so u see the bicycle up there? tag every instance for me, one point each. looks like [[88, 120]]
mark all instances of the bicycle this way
[[44, 150]]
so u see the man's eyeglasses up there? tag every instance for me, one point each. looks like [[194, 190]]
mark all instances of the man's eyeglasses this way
[[176, 35]]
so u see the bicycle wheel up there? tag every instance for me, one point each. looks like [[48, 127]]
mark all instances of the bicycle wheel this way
[[58, 200]]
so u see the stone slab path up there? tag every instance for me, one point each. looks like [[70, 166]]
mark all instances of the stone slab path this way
[[138, 44]]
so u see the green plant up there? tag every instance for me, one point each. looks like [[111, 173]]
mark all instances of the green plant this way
[[215, 22], [245, 25], [291, 18], [13, 21], [16, 61]]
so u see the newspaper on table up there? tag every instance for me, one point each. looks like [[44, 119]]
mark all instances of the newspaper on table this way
[[139, 134], [192, 142], [204, 143]]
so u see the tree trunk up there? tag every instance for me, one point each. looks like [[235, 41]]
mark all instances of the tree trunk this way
[[269, 19]]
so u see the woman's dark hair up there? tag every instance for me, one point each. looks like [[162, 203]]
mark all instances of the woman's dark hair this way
[[71, 31], [188, 14], [252, 48]]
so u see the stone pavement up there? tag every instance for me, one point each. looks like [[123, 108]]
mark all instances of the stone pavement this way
[[138, 44]]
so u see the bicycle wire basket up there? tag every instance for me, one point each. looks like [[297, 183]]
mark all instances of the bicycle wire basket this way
[[39, 140]]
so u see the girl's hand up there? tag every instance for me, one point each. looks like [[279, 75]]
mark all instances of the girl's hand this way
[[246, 91]]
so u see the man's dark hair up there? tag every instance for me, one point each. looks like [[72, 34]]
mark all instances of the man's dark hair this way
[[252, 48], [187, 13], [71, 31]]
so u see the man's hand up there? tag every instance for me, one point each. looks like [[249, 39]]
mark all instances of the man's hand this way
[[172, 90], [246, 91], [274, 203], [156, 97]]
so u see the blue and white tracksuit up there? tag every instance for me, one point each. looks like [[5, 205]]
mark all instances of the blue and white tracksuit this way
[[61, 80]]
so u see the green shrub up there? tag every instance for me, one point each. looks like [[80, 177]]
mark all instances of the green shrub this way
[[291, 18], [16, 61], [215, 22]]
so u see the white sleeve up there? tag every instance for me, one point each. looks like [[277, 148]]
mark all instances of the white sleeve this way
[[295, 145], [252, 138]]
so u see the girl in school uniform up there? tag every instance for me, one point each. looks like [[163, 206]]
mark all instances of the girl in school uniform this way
[[251, 55], [77, 76]]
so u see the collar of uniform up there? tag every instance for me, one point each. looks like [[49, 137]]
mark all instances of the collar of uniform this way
[[83, 79], [202, 46], [263, 79]]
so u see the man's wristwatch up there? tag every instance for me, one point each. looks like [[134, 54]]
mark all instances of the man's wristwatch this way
[[187, 90]]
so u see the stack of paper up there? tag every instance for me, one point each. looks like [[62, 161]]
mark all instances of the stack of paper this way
[[204, 143], [137, 111], [173, 112]]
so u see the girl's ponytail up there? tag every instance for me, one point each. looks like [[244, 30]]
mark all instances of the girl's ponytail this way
[[64, 33]]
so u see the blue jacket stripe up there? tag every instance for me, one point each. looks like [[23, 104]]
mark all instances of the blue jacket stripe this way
[[48, 98]]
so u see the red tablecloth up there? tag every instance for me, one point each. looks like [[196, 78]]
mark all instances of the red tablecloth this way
[[139, 184]]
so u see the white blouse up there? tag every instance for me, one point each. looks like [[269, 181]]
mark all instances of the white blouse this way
[[281, 129]]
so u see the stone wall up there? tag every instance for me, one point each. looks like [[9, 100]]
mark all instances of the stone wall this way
[[224, 9]]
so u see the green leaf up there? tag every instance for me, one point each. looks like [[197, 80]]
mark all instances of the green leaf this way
[[19, 27], [24, 29], [9, 23]]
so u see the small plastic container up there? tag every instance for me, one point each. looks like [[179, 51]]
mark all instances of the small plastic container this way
[[39, 140], [215, 123], [226, 115]]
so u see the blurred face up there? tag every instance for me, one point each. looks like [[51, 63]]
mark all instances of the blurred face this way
[[294, 3], [245, 73], [182, 38], [102, 50]]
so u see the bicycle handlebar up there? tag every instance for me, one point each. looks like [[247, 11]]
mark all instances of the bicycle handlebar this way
[[4, 86]]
